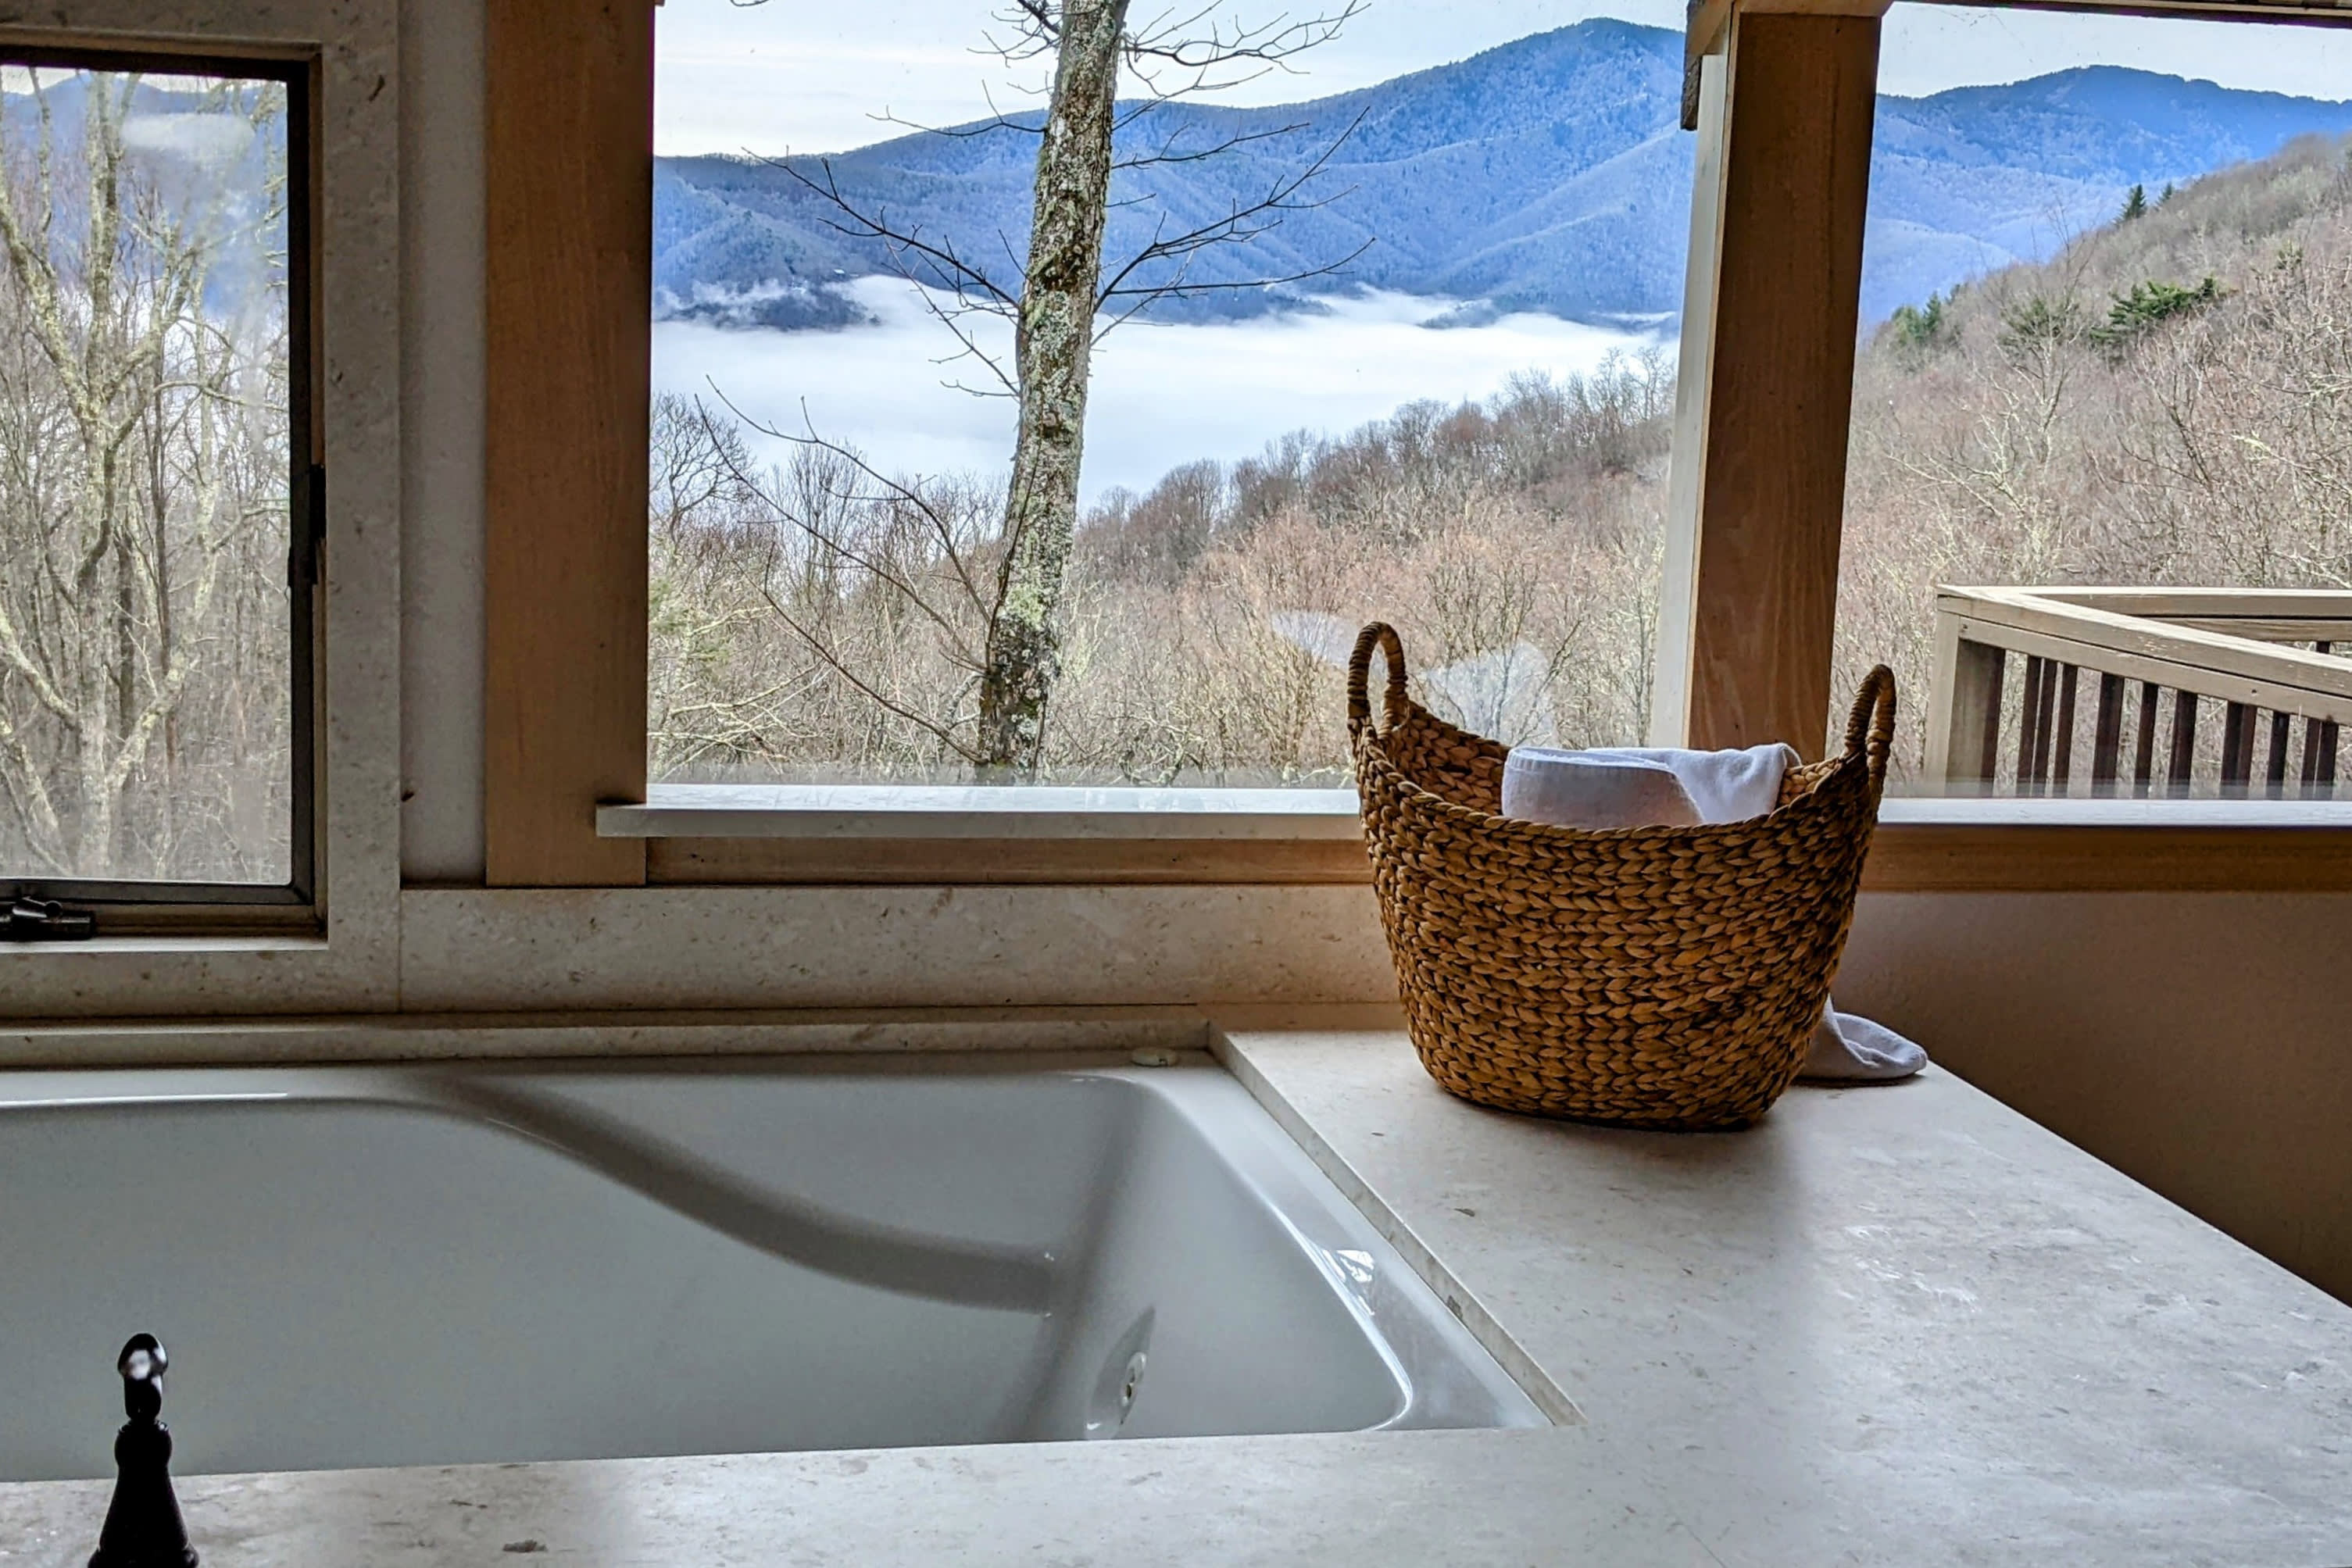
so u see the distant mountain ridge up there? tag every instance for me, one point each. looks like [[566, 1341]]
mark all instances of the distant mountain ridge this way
[[1549, 174]]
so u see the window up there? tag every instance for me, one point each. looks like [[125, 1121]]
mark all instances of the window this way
[[159, 492], [761, 496], [2099, 502], [1385, 330]]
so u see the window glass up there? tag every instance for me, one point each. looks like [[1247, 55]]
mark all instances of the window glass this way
[[146, 681], [1384, 329], [2102, 441]]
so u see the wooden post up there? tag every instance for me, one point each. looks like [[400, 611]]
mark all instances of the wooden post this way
[[568, 303], [1964, 711], [1761, 463]]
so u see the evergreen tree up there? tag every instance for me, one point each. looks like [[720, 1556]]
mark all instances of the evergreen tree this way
[[2149, 303], [1919, 327], [2035, 325]]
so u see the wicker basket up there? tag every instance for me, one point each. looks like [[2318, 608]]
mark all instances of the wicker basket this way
[[1647, 977]]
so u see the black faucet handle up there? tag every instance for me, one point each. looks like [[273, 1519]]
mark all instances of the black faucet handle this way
[[144, 1527], [141, 1364]]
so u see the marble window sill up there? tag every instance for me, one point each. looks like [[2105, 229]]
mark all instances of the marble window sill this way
[[980, 811], [865, 811]]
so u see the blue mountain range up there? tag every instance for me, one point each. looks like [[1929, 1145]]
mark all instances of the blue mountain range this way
[[1549, 174]]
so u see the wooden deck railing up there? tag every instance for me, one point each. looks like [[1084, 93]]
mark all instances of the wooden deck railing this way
[[2145, 667]]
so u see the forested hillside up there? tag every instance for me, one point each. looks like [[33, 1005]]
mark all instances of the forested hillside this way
[[1549, 174], [2166, 400]]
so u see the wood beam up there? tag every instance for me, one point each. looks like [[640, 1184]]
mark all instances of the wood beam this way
[[569, 302], [969, 863], [2158, 857], [2302, 13], [2152, 854], [1763, 454]]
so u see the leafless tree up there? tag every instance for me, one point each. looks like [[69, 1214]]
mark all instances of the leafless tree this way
[[816, 619], [1066, 296], [143, 490], [843, 621], [2053, 434]]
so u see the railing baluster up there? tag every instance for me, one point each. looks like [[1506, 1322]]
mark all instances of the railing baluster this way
[[2144, 746], [1995, 671], [2319, 747], [2237, 748], [2045, 723], [2029, 721], [2184, 742], [2062, 752], [2230, 648], [2107, 738]]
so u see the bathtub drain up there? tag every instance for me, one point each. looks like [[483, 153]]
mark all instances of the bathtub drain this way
[[1119, 1380], [1126, 1389]]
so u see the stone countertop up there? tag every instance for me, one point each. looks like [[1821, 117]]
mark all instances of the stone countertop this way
[[1893, 1325], [1430, 1500]]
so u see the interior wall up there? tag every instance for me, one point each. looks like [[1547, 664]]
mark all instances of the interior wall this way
[[2199, 1042], [442, 247]]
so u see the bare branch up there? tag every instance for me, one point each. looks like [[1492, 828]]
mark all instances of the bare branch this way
[[1223, 56], [997, 120], [893, 490], [952, 271], [1179, 289], [1168, 153], [1036, 30], [1238, 226]]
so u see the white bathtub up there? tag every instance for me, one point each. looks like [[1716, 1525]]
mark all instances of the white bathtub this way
[[440, 1265]]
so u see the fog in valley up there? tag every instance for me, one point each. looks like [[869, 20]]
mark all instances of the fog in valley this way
[[1165, 395]]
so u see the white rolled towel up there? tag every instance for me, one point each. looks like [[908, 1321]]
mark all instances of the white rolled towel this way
[[1582, 789], [1636, 787]]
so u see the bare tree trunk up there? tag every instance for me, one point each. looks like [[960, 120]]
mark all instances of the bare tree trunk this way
[[113, 360], [1054, 344]]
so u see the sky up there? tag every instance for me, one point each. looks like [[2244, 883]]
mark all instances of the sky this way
[[796, 76]]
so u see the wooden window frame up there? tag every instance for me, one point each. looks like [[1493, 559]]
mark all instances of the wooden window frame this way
[[1782, 93], [175, 907], [568, 303]]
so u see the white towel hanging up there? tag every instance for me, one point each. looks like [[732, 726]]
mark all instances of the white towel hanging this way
[[1632, 787]]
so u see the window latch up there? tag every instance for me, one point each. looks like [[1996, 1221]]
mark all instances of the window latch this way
[[306, 556], [39, 920]]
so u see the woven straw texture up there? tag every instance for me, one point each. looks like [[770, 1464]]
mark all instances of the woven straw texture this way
[[1648, 976]]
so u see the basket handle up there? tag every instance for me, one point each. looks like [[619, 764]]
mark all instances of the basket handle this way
[[1872, 724], [1381, 635]]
